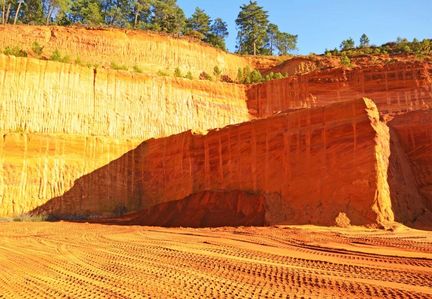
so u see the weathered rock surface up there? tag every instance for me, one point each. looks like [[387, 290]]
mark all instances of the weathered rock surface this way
[[52, 97], [72, 136], [299, 162], [395, 88], [295, 66], [61, 121], [151, 52], [36, 167], [411, 167]]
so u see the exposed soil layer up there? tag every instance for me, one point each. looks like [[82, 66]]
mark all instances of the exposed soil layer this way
[[40, 260], [204, 209]]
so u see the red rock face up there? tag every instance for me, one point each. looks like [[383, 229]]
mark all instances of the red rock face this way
[[395, 88], [412, 195], [70, 135], [298, 162]]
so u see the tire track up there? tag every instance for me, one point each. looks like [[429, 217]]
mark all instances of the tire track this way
[[67, 260]]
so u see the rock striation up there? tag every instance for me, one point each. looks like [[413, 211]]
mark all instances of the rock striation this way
[[61, 121], [151, 52], [86, 142], [411, 169], [295, 163], [396, 88], [51, 97]]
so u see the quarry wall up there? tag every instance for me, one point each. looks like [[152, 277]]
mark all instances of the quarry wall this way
[[298, 161], [83, 141], [52, 97], [149, 51], [61, 121], [396, 88], [412, 189]]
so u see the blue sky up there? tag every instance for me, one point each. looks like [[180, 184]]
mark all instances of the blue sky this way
[[324, 24]]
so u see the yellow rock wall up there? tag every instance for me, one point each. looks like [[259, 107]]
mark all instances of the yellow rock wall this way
[[61, 121], [37, 167], [51, 97], [150, 51]]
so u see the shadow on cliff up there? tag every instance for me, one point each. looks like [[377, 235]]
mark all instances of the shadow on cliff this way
[[113, 194], [111, 190], [409, 206], [203, 209]]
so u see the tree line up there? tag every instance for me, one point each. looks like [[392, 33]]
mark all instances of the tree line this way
[[400, 46], [256, 35]]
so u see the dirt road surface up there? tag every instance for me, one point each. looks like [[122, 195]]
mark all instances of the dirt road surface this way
[[70, 260]]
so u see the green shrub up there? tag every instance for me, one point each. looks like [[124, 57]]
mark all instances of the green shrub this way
[[177, 73], [246, 73], [65, 59], [56, 56], [37, 48], [189, 76], [137, 69], [15, 51], [78, 61], [278, 76], [255, 76], [217, 71], [344, 59], [240, 75], [118, 67], [162, 73]]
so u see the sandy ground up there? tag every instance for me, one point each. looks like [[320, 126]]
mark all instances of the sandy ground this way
[[67, 260]]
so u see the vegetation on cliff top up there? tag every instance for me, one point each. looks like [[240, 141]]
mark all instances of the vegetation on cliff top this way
[[255, 36], [400, 46]]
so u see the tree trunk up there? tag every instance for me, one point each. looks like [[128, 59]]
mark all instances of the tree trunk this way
[[7, 13], [136, 19], [3, 11], [50, 11], [17, 12], [255, 48]]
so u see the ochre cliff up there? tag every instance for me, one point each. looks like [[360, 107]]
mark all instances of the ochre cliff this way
[[92, 142], [149, 51], [37, 167], [395, 88], [295, 162], [52, 97], [61, 121]]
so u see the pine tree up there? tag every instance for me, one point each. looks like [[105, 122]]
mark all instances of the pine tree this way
[[87, 12], [286, 42], [168, 17], [347, 44], [364, 41], [32, 12], [272, 37], [117, 12], [199, 23], [218, 33], [252, 23]]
